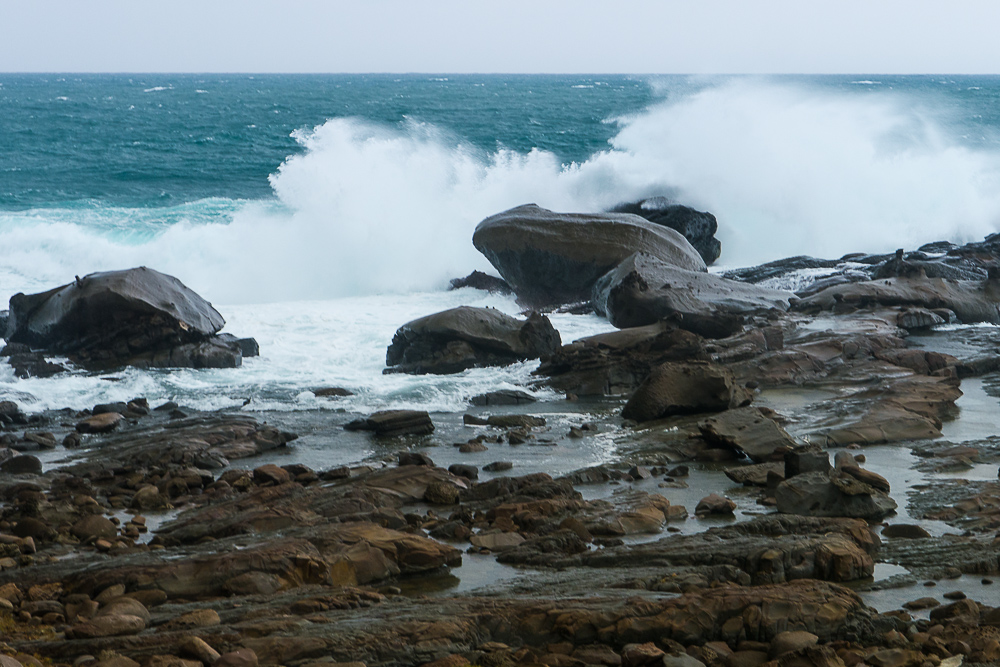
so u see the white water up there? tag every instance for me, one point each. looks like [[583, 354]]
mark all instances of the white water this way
[[305, 346], [367, 210]]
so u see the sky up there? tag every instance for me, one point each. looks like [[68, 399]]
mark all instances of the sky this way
[[448, 36]]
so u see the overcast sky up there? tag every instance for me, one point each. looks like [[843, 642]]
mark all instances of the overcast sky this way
[[628, 36]]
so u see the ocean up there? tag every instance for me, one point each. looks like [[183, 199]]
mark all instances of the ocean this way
[[320, 212]]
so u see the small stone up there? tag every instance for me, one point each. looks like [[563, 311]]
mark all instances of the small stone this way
[[271, 475], [441, 493], [472, 447], [462, 470], [954, 595], [242, 657], [415, 459], [498, 466]]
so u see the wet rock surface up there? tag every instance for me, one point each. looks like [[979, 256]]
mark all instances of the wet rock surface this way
[[697, 530], [135, 317], [461, 338], [554, 258]]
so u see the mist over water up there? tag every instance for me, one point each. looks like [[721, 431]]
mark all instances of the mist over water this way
[[370, 207]]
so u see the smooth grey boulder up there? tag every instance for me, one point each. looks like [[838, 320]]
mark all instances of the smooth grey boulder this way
[[552, 258], [644, 289], [132, 317], [466, 337], [832, 494], [698, 227]]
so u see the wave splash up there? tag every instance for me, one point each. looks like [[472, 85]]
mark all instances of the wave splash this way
[[787, 169]]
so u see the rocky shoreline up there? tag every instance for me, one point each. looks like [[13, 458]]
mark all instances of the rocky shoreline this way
[[739, 476]]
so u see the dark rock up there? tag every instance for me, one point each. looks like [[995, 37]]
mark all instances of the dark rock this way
[[102, 423], [465, 337], [750, 431], [10, 413], [905, 530], [332, 392], [415, 459], [678, 389], [806, 459], [867, 476], [248, 347], [136, 316], [33, 365], [832, 495], [643, 290], [697, 227], [616, 363], [515, 421], [394, 422], [757, 474], [482, 281], [24, 464], [503, 397], [462, 470], [4, 318], [553, 258], [714, 504], [498, 466]]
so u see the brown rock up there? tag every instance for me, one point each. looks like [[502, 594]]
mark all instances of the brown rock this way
[[198, 648], [271, 474], [868, 477], [792, 640], [714, 504], [149, 498], [94, 526], [107, 626], [453, 660], [242, 657], [200, 618], [905, 530], [124, 606], [496, 541], [640, 655], [103, 423], [750, 431], [684, 388]]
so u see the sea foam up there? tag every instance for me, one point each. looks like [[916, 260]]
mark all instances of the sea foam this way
[[366, 209]]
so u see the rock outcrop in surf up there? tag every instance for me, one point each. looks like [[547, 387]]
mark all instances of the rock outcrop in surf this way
[[135, 317], [553, 258]]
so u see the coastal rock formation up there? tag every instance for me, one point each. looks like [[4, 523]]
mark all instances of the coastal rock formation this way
[[138, 317], [832, 494], [698, 227], [465, 337], [685, 388], [644, 289], [971, 301], [553, 258], [616, 363]]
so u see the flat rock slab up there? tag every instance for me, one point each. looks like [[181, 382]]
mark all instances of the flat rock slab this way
[[102, 423], [756, 474], [394, 422], [749, 431]]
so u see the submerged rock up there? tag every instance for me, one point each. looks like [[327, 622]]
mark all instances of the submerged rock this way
[[465, 337], [137, 317], [698, 227], [644, 289], [554, 258]]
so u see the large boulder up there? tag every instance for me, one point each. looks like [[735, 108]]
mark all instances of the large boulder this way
[[465, 337], [685, 388], [698, 227], [644, 289], [551, 258], [749, 431], [116, 318]]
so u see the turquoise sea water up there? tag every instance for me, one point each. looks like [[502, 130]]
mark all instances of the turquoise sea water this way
[[320, 212]]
